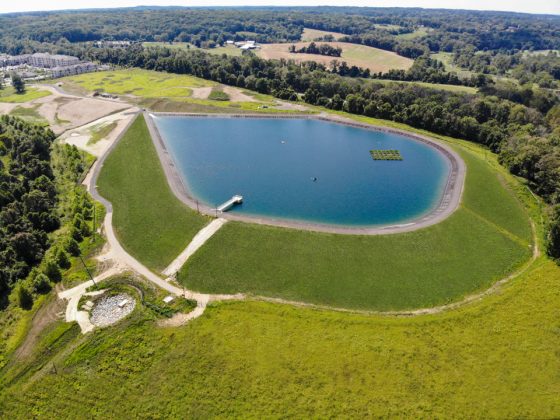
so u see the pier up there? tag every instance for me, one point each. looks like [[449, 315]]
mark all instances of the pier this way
[[236, 199]]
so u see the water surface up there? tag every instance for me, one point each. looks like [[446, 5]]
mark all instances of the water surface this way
[[304, 169]]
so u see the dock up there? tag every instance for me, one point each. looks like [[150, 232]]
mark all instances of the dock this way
[[236, 199]]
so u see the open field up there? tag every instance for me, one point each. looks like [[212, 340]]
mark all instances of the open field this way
[[450, 88], [150, 222], [420, 32], [9, 95], [312, 34], [497, 358], [375, 59], [447, 60], [138, 82], [230, 50]]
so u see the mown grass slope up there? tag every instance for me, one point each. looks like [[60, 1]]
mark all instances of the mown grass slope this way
[[151, 223], [497, 358], [486, 238]]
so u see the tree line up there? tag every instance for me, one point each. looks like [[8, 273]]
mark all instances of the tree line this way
[[321, 49], [44, 215]]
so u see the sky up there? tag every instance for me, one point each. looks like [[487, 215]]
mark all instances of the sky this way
[[532, 6]]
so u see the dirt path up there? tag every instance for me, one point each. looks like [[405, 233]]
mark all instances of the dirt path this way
[[50, 312], [200, 239]]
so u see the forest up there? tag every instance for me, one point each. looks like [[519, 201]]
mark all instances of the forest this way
[[38, 197]]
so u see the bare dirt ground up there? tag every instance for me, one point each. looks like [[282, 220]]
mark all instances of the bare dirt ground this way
[[81, 136], [65, 111], [236, 95], [201, 93]]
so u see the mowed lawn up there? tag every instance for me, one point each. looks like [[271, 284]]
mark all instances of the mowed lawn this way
[[496, 358], [150, 222], [136, 82], [375, 59], [9, 95], [488, 237]]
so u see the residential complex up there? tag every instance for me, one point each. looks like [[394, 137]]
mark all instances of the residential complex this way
[[56, 65]]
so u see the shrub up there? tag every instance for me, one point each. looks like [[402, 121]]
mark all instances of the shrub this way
[[41, 283], [24, 298], [72, 247], [52, 271], [62, 259]]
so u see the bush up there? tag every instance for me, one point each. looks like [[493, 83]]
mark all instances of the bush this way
[[24, 298], [52, 271], [72, 247], [41, 284], [62, 259]]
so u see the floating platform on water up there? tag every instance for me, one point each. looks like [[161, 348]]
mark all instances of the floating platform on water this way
[[386, 155], [236, 199]]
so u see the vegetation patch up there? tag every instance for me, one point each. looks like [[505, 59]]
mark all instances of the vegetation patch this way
[[142, 83], [386, 155], [218, 94], [9, 95], [101, 131], [150, 222]]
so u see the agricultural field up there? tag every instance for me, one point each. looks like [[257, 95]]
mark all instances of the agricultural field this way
[[309, 35], [375, 59], [9, 95], [228, 49], [150, 222]]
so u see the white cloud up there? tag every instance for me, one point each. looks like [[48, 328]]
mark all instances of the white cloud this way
[[534, 6]]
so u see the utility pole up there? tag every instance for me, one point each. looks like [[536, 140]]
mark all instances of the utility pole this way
[[87, 270], [93, 234]]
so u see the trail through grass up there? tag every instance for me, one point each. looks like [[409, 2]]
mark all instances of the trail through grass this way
[[151, 223]]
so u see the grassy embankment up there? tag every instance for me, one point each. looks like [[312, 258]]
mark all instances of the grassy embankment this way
[[312, 34], [481, 242], [9, 95], [149, 220]]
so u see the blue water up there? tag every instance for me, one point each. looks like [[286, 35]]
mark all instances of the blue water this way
[[272, 163]]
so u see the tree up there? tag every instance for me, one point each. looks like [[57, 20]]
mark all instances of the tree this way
[[41, 283], [24, 298], [18, 83], [52, 271]]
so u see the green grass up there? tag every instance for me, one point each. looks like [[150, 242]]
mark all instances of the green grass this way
[[149, 220], [418, 33], [497, 358], [485, 239], [230, 50], [141, 83], [312, 34], [29, 114], [218, 94], [100, 131], [9, 95], [440, 86]]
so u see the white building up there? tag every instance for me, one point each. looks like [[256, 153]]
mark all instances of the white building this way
[[72, 70], [48, 61]]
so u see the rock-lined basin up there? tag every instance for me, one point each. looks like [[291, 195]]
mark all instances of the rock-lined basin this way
[[307, 171]]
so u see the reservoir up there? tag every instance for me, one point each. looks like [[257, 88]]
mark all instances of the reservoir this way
[[305, 170]]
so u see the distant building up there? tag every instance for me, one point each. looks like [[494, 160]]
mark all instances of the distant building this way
[[72, 70], [112, 44], [13, 60], [230, 42], [48, 61]]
